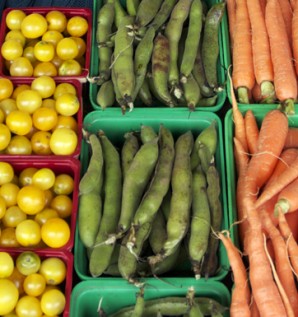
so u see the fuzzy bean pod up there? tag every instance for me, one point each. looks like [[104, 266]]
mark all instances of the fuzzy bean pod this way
[[144, 93], [106, 95], [192, 40], [146, 11], [102, 252], [142, 58], [139, 305], [135, 182], [160, 69], [120, 12], [200, 221], [123, 64], [210, 44], [173, 32], [147, 133], [192, 92], [163, 14], [105, 20], [128, 151], [132, 7]]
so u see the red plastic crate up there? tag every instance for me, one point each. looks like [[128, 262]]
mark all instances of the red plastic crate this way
[[69, 166], [69, 12], [67, 258], [79, 116]]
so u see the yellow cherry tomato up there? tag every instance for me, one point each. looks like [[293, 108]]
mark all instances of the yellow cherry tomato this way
[[34, 25], [9, 296], [6, 173], [63, 141], [54, 270], [55, 233], [6, 88], [14, 19], [44, 178], [31, 199], [77, 26], [28, 233], [6, 264]]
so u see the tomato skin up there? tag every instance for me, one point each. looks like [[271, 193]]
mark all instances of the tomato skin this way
[[21, 66], [6, 265], [44, 51], [63, 141], [54, 270], [56, 20], [28, 262], [6, 88], [77, 26], [9, 296], [34, 25], [55, 233], [53, 302], [11, 49], [31, 199], [70, 67], [14, 19]]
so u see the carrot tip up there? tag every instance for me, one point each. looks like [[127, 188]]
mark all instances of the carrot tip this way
[[243, 95]]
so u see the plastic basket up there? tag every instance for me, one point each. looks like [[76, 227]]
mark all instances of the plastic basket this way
[[58, 166], [67, 258], [78, 116], [231, 176], [69, 12], [93, 88], [115, 126], [86, 295]]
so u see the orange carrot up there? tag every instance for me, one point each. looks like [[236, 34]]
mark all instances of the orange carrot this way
[[292, 138], [231, 10], [287, 14], [243, 72], [287, 199], [292, 220], [263, 68], [285, 81], [241, 292], [269, 146], [252, 131], [290, 241], [263, 6], [254, 309], [295, 37], [282, 264], [239, 127], [293, 4], [285, 178], [256, 93]]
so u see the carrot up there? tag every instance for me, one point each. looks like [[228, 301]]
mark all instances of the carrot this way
[[295, 37], [292, 220], [287, 234], [282, 264], [256, 93], [292, 138], [239, 127], [231, 10], [263, 6], [287, 199], [293, 4], [243, 72], [269, 147], [254, 309], [251, 130], [241, 292], [287, 14], [263, 68], [285, 178], [284, 73]]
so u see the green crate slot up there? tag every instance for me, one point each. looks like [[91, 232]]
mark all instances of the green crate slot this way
[[87, 294], [115, 125], [221, 70]]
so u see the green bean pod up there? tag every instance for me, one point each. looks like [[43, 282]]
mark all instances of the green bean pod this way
[[192, 92], [163, 14], [118, 96], [139, 305], [144, 93], [198, 72], [147, 133], [210, 44], [160, 69], [213, 192], [192, 40], [200, 221], [128, 151], [208, 101], [102, 252], [91, 179], [132, 7], [105, 20], [161, 179], [142, 58], [106, 95], [173, 32], [135, 182], [205, 156], [123, 64], [120, 12], [146, 11], [130, 252], [165, 206]]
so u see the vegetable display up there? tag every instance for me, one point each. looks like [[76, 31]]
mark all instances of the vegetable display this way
[[148, 194], [154, 45]]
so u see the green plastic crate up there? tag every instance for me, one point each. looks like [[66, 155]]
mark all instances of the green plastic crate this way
[[87, 294], [93, 88], [115, 126], [231, 175]]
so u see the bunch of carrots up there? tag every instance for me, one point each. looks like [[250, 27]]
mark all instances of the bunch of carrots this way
[[265, 272], [264, 49]]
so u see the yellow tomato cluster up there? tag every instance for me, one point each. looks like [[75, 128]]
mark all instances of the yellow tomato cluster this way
[[44, 44], [31, 285], [35, 207], [38, 118]]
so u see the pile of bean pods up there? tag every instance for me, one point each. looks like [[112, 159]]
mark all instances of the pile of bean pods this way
[[158, 52], [151, 204], [190, 305]]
